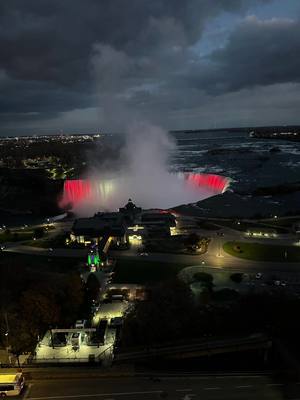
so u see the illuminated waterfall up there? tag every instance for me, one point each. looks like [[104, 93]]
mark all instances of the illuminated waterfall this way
[[102, 192]]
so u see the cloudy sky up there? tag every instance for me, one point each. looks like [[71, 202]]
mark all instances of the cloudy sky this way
[[90, 65]]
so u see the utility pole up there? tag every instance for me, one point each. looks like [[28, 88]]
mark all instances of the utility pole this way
[[6, 334], [51, 336]]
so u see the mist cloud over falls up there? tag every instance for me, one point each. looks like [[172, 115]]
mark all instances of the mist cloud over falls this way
[[142, 174], [142, 170]]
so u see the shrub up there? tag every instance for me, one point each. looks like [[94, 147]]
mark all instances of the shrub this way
[[225, 294], [203, 277], [237, 277]]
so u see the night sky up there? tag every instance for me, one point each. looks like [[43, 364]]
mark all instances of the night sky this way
[[89, 65]]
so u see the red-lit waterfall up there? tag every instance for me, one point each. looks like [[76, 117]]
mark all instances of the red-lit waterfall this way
[[214, 183], [78, 191]]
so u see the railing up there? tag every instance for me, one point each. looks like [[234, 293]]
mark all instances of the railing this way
[[202, 347]]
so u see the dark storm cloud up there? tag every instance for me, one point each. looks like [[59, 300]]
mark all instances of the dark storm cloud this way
[[57, 54], [257, 53], [46, 40]]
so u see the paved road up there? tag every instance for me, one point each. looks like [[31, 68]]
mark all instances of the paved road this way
[[186, 388], [210, 259], [215, 256]]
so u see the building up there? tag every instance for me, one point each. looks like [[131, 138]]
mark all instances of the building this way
[[99, 228], [158, 223]]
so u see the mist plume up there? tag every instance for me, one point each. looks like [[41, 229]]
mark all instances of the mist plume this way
[[142, 170]]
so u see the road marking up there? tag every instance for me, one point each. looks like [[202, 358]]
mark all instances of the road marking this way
[[95, 395], [239, 376], [243, 386], [274, 384], [212, 388]]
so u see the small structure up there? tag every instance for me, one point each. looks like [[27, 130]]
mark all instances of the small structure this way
[[76, 345], [128, 291], [296, 227], [261, 232]]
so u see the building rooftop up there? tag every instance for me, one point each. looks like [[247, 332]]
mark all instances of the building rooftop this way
[[100, 224]]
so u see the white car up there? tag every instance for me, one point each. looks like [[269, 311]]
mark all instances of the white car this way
[[144, 254]]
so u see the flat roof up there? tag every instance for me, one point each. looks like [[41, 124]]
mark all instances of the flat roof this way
[[98, 225], [9, 378]]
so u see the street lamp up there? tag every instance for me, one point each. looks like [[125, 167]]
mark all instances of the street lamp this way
[[219, 248]]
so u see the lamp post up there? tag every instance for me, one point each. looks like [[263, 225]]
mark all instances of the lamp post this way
[[219, 246]]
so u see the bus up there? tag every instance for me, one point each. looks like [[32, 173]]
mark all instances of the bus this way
[[11, 384]]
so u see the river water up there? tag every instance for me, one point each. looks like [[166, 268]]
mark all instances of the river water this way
[[249, 162]]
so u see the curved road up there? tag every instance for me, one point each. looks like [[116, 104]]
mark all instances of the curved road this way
[[215, 256]]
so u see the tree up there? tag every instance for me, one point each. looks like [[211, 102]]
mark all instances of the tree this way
[[40, 309], [205, 278], [72, 298], [39, 232], [192, 241], [92, 287], [168, 311], [15, 236], [20, 337], [236, 277], [225, 294]]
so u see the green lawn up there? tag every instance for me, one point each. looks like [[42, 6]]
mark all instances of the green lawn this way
[[57, 242], [40, 262], [15, 236], [263, 252], [243, 226], [283, 222], [142, 272]]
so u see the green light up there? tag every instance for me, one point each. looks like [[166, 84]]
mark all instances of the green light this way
[[93, 260]]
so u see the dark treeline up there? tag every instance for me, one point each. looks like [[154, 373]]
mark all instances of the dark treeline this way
[[171, 314], [36, 295]]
